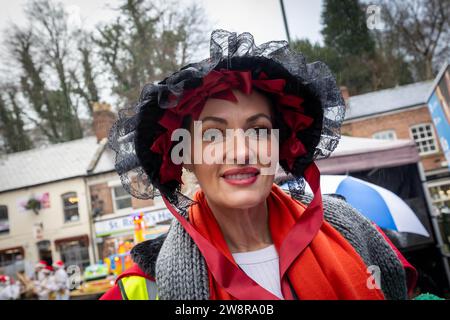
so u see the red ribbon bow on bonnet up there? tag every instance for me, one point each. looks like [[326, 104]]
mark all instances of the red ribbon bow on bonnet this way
[[219, 85]]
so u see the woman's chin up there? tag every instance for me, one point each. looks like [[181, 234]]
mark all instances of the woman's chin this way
[[242, 198], [239, 196]]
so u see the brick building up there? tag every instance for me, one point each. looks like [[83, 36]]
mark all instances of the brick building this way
[[113, 209], [402, 113], [65, 201]]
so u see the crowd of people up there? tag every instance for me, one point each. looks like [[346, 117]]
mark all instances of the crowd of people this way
[[49, 282]]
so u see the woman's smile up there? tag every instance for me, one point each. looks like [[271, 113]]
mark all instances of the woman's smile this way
[[241, 176]]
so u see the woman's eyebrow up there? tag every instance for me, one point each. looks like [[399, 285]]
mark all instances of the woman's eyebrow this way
[[216, 119], [250, 119], [258, 115]]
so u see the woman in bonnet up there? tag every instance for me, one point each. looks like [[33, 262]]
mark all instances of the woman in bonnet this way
[[241, 236]]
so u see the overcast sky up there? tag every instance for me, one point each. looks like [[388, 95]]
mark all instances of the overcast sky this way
[[262, 18]]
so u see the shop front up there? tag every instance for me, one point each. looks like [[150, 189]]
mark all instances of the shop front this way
[[74, 250], [115, 237], [12, 260]]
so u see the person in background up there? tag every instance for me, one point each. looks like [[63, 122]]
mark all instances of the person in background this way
[[61, 281], [9, 290], [46, 287], [27, 290], [39, 270]]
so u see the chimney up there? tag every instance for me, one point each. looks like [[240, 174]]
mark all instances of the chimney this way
[[345, 94], [104, 118]]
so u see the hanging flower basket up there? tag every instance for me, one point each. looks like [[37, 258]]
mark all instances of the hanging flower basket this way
[[33, 204]]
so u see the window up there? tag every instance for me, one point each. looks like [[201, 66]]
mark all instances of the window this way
[[45, 251], [423, 135], [440, 195], [122, 198], [385, 135], [70, 205], [4, 221], [12, 260], [74, 251]]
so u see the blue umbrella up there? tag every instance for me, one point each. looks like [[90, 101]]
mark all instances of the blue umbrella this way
[[378, 204]]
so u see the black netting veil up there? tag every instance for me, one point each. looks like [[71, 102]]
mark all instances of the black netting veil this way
[[137, 127]]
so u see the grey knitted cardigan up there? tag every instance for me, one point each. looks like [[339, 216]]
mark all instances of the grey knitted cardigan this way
[[181, 273]]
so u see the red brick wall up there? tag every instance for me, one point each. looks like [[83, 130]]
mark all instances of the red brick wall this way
[[101, 197], [400, 122]]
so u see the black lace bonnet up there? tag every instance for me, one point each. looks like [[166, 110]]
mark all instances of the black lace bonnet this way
[[137, 127]]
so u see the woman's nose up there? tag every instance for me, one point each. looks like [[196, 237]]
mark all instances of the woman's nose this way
[[239, 149]]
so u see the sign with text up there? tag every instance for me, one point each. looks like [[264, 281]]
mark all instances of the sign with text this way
[[439, 106], [124, 224]]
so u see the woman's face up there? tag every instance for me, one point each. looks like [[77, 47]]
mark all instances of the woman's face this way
[[235, 180]]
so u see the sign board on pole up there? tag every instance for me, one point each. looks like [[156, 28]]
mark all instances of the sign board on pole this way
[[439, 106]]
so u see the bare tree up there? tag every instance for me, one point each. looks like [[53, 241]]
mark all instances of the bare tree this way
[[423, 31], [12, 126], [56, 70], [148, 40], [86, 88]]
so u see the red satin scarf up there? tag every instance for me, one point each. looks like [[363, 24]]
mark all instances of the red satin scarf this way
[[328, 268]]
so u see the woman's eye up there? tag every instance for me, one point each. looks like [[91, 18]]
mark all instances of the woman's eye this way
[[212, 135], [259, 132]]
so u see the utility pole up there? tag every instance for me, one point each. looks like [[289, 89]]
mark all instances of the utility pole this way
[[286, 27]]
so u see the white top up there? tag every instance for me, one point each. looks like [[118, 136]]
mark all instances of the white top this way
[[62, 279], [263, 267]]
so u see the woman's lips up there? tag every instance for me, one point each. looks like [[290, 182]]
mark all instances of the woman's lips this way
[[241, 176]]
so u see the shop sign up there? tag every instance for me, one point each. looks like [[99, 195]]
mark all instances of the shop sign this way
[[439, 107], [38, 231], [123, 224]]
